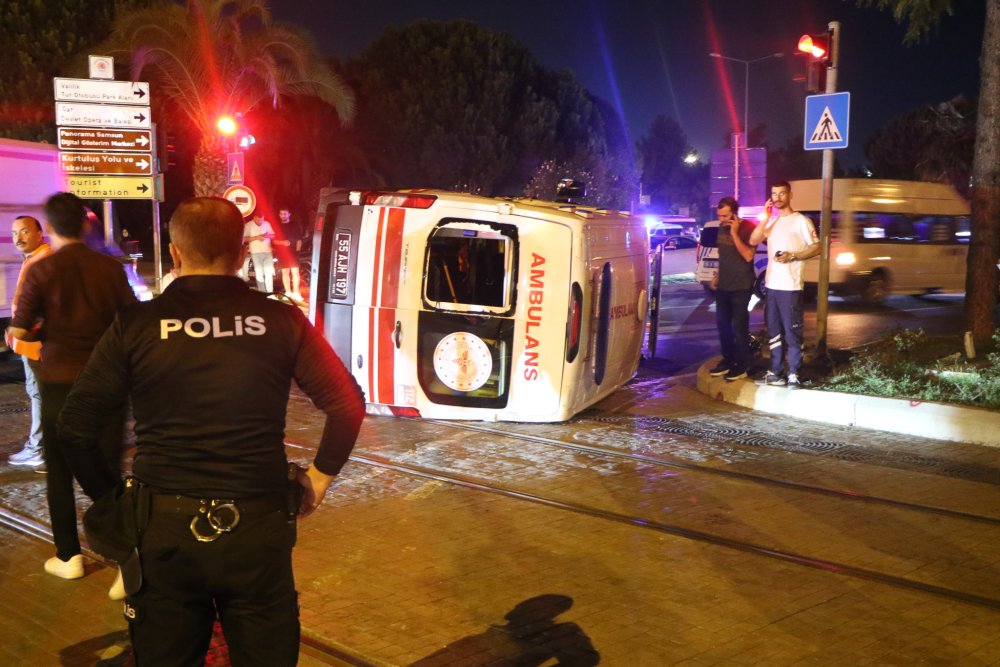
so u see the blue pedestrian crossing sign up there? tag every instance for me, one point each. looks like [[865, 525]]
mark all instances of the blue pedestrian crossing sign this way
[[235, 168], [827, 121]]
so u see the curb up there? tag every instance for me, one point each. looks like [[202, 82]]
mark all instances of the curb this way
[[928, 420]]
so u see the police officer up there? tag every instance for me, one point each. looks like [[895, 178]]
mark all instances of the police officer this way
[[208, 366]]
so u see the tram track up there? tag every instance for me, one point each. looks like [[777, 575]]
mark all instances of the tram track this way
[[789, 553], [316, 648], [744, 546], [730, 474]]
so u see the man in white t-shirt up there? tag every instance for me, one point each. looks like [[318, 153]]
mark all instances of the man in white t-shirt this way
[[258, 234], [791, 239]]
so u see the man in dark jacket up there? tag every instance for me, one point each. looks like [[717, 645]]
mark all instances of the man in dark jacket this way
[[209, 366], [67, 300]]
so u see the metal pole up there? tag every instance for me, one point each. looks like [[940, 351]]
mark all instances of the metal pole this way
[[107, 210], [826, 216], [157, 253], [746, 104], [736, 166]]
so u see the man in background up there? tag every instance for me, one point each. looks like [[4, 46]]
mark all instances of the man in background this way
[[28, 237], [733, 286], [258, 234], [67, 300], [287, 247], [791, 239]]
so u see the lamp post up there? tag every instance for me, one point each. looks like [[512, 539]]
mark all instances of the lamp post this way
[[746, 83], [746, 111]]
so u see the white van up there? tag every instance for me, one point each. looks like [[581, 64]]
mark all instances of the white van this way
[[889, 237]]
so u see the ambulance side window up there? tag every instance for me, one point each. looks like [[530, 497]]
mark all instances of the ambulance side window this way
[[603, 325]]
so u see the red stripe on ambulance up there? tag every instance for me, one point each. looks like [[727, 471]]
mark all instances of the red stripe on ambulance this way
[[385, 298], [390, 264]]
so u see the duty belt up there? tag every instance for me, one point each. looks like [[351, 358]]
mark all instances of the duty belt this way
[[211, 517]]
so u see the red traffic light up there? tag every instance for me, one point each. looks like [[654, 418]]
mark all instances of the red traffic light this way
[[227, 125], [814, 45]]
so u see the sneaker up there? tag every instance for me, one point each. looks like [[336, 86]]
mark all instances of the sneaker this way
[[31, 458], [65, 569], [117, 590], [771, 380], [719, 369], [735, 374], [793, 381]]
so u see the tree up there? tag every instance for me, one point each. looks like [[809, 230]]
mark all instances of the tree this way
[[43, 40], [982, 279], [216, 57], [930, 143], [669, 182], [602, 161], [792, 162], [456, 106]]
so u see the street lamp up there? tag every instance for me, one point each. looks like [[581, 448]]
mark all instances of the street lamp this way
[[746, 84]]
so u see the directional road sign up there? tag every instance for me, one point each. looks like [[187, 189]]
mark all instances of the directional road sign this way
[[827, 121], [111, 187], [84, 139], [105, 92], [130, 164], [102, 115]]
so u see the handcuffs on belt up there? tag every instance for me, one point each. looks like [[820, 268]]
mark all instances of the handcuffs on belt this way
[[221, 515]]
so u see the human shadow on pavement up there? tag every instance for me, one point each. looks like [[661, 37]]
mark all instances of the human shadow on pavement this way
[[531, 637], [110, 650], [115, 650]]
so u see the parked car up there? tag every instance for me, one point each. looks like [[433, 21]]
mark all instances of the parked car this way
[[678, 242]]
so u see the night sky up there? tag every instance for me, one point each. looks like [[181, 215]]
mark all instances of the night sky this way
[[648, 57]]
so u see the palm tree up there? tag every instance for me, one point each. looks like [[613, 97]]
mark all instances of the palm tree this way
[[216, 57]]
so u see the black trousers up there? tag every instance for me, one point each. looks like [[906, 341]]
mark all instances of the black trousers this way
[[733, 322], [244, 577], [59, 479]]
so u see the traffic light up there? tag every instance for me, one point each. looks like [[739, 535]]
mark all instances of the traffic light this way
[[817, 46], [246, 140], [817, 49], [236, 128], [166, 149], [227, 125]]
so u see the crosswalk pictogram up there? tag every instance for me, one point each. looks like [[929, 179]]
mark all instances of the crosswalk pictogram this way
[[826, 128]]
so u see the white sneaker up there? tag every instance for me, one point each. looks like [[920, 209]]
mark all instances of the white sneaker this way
[[117, 590], [771, 380], [65, 569], [31, 458]]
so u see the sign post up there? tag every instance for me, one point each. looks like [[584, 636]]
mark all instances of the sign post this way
[[106, 143], [826, 125]]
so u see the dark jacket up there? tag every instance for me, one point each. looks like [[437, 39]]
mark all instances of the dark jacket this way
[[209, 366]]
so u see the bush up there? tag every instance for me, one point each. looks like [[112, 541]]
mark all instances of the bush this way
[[912, 365]]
